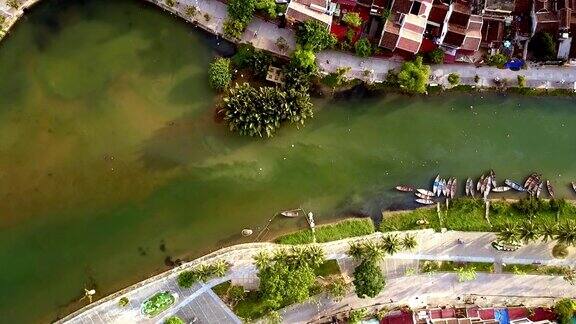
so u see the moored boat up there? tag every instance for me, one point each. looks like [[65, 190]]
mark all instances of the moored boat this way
[[470, 187], [493, 178], [539, 189], [423, 196], [405, 188], [453, 187], [573, 185], [291, 213], [247, 232], [446, 187], [488, 187], [424, 201], [501, 189], [426, 192], [514, 185], [479, 184], [436, 184], [550, 188], [529, 180]]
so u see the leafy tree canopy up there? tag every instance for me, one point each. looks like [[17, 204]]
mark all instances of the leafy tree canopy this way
[[241, 10], [413, 77], [219, 73], [266, 6], [363, 47], [314, 36], [436, 56], [565, 309], [304, 58], [368, 279]]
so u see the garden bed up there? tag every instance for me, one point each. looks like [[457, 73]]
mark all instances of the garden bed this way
[[158, 303], [428, 266]]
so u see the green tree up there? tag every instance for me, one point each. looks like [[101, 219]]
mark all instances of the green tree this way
[[336, 79], [123, 301], [413, 76], [565, 309], [314, 36], [337, 289], [391, 244], [304, 58], [241, 10], [233, 28], [219, 74], [352, 19], [543, 46], [409, 242], [453, 78], [187, 279], [436, 56], [567, 233], [366, 251], [174, 320], [266, 6], [368, 279], [363, 47]]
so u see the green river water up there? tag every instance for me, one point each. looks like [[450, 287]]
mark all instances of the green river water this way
[[111, 161]]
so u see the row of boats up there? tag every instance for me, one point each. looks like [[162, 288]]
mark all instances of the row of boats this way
[[533, 185]]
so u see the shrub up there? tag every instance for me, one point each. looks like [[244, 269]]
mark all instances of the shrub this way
[[259, 112], [413, 77], [123, 301], [368, 279], [543, 46], [497, 60], [363, 47], [521, 81], [352, 19], [174, 320], [170, 3], [157, 303], [191, 11], [282, 44], [560, 251], [219, 74], [453, 78], [203, 272], [466, 273], [357, 315], [337, 289], [436, 56], [529, 206], [247, 56]]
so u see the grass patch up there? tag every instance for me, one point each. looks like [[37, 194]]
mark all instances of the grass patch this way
[[466, 214], [252, 307], [158, 303], [222, 288], [328, 268], [535, 269], [330, 232], [427, 266]]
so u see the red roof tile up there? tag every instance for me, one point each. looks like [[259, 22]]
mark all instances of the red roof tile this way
[[438, 13], [408, 45]]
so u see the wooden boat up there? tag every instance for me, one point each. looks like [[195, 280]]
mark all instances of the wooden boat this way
[[493, 178], [467, 187], [426, 192], [501, 189], [424, 201], [470, 187], [405, 188], [436, 184], [247, 232], [514, 185], [453, 188], [440, 189], [479, 184], [529, 180], [488, 187], [573, 185], [291, 213], [446, 187], [550, 188], [539, 189], [423, 196]]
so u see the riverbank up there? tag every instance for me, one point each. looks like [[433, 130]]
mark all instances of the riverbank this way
[[211, 14]]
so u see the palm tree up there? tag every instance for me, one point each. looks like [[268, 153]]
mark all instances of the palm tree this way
[[548, 231], [567, 233], [508, 233], [313, 255], [262, 260], [391, 244], [366, 250], [528, 232], [409, 242]]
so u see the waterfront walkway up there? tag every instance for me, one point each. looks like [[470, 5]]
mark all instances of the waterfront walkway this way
[[432, 246]]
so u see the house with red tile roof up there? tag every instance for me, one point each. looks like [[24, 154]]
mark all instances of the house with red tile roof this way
[[461, 30], [558, 18], [302, 10], [404, 29]]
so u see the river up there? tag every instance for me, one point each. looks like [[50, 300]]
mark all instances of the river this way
[[111, 161]]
